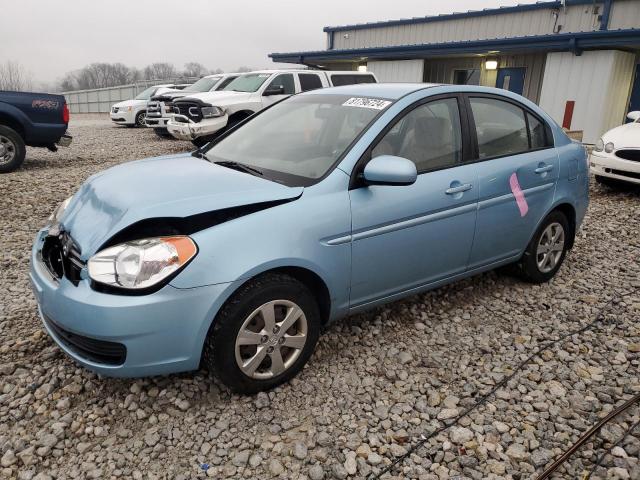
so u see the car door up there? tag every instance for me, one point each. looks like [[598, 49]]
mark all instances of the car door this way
[[517, 174], [404, 237], [284, 80]]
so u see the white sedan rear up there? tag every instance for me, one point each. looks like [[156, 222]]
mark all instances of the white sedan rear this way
[[616, 156]]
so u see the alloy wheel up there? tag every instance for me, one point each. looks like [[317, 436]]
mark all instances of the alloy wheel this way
[[7, 150], [550, 247], [271, 339]]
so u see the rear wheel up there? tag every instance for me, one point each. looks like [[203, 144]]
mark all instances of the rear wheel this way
[[264, 334], [547, 250], [12, 149]]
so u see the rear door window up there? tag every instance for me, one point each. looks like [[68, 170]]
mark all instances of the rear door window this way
[[501, 127], [309, 81], [338, 80]]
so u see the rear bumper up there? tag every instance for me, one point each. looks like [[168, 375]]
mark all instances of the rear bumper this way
[[192, 130], [65, 140], [608, 165]]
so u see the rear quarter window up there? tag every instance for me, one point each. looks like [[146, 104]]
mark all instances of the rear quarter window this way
[[338, 80]]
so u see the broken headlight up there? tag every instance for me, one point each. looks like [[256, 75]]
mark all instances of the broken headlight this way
[[212, 112], [140, 264], [55, 217]]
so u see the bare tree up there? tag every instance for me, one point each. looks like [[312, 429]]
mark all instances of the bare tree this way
[[194, 69], [14, 77], [160, 71], [243, 69]]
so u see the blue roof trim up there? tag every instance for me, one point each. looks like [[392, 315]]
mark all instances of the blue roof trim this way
[[575, 42], [458, 15]]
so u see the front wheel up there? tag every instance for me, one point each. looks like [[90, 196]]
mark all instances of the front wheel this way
[[547, 250], [140, 119], [263, 335], [12, 149]]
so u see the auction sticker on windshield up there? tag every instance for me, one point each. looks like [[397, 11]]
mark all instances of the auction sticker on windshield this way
[[374, 103]]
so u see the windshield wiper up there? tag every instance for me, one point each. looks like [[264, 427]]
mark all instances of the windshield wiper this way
[[239, 166]]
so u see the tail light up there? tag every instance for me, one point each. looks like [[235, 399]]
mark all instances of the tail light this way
[[65, 113]]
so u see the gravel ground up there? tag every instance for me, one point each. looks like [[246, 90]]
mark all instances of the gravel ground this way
[[375, 384]]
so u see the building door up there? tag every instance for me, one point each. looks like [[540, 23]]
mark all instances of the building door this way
[[634, 101], [511, 79]]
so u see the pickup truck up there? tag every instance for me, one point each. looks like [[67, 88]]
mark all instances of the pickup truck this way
[[30, 119], [131, 113], [203, 116], [160, 105]]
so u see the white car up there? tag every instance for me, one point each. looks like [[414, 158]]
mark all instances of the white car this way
[[203, 116], [132, 112], [160, 105], [616, 156]]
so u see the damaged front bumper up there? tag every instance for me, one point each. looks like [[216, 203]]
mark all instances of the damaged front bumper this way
[[183, 128]]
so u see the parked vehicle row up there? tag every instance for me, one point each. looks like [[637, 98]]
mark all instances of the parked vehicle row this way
[[616, 156], [328, 203], [203, 116], [30, 119]]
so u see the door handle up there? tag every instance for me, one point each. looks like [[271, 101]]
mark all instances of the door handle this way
[[544, 169], [459, 189]]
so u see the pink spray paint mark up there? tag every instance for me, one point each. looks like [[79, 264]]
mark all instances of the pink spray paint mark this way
[[518, 194]]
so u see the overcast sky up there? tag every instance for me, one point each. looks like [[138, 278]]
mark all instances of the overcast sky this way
[[51, 37]]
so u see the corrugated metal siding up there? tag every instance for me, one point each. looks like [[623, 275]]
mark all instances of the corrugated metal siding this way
[[598, 82], [397, 70], [100, 100], [625, 14], [441, 71], [536, 22]]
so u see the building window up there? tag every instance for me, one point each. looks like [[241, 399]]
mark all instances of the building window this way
[[470, 76]]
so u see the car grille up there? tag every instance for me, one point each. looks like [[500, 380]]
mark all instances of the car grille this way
[[154, 109], [98, 351], [628, 154], [189, 110], [61, 256]]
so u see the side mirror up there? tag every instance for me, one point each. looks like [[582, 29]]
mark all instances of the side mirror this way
[[634, 116], [390, 170], [274, 90]]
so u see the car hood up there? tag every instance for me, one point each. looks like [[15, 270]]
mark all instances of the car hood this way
[[624, 136], [171, 186], [130, 103], [220, 97]]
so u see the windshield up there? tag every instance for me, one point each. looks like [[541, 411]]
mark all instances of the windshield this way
[[203, 85], [146, 94], [248, 83], [300, 139]]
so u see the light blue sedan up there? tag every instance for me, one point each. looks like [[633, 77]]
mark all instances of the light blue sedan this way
[[234, 257]]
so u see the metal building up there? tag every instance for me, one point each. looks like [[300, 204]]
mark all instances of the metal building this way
[[578, 59]]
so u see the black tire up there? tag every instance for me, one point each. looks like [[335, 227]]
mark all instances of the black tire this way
[[12, 149], [219, 354], [201, 141], [528, 268], [162, 133], [140, 119]]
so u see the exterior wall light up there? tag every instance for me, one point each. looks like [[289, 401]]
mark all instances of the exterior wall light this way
[[491, 64]]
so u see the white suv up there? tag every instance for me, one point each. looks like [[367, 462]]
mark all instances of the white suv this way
[[203, 116], [160, 104], [132, 112]]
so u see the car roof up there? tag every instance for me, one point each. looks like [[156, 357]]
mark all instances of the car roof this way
[[391, 91], [304, 70]]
